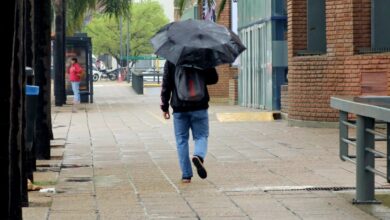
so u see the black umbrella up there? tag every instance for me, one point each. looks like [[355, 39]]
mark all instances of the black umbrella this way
[[197, 43]]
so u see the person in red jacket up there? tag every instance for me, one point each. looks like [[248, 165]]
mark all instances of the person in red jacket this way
[[74, 72]]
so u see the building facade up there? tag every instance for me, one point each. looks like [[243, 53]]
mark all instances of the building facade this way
[[262, 28], [335, 47]]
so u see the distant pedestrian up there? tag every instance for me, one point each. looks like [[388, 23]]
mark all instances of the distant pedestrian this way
[[185, 89], [75, 72]]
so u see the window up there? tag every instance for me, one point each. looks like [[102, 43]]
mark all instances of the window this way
[[316, 26], [380, 26], [314, 38]]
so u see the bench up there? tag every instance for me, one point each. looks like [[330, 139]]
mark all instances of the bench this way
[[137, 80]]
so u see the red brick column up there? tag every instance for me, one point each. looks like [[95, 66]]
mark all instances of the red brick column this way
[[284, 98], [233, 91]]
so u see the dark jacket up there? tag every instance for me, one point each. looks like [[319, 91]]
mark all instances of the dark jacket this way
[[168, 91]]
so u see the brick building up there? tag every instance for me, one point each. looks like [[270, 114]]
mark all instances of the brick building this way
[[226, 89], [336, 47]]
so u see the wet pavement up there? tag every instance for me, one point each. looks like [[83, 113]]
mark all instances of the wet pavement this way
[[119, 162]]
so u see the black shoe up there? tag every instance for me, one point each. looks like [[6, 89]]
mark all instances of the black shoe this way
[[198, 162]]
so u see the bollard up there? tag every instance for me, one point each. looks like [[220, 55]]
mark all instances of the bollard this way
[[32, 93], [29, 163]]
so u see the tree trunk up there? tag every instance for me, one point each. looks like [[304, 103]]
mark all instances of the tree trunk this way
[[42, 59], [28, 57], [59, 52], [5, 84], [15, 137]]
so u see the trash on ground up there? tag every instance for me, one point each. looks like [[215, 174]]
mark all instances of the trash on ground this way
[[48, 190]]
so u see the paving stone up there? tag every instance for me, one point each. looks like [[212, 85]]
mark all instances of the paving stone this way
[[120, 162], [35, 213]]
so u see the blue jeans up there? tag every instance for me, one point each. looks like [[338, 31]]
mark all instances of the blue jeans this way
[[76, 92], [198, 122]]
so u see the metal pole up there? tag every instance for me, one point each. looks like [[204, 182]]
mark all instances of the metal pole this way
[[343, 132], [59, 53], [388, 152], [63, 79], [365, 185], [120, 45], [128, 44]]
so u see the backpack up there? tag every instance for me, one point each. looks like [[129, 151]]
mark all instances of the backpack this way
[[190, 84]]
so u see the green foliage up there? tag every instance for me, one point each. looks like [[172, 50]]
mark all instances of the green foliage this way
[[146, 19], [77, 10]]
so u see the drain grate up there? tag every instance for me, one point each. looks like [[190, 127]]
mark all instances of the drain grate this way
[[74, 165], [79, 179], [48, 169], [315, 188]]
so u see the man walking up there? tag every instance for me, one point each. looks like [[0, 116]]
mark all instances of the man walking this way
[[185, 89]]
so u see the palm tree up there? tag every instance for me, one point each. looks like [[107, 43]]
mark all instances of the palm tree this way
[[182, 4], [77, 10]]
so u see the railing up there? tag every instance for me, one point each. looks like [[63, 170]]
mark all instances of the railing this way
[[366, 137], [368, 115]]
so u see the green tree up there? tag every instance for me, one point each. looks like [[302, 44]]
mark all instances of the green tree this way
[[183, 4], [146, 19], [78, 10]]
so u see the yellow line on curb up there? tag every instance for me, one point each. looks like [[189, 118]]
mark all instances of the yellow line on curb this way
[[245, 116]]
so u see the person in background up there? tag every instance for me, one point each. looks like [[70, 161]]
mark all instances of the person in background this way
[[75, 72]]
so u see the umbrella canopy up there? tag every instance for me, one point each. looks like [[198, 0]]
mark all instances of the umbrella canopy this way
[[198, 43]]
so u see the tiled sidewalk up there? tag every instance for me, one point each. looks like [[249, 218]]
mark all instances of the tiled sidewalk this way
[[120, 162]]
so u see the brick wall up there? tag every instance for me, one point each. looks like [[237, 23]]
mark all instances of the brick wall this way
[[284, 98], [314, 79], [233, 91], [297, 22], [362, 24], [220, 91]]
